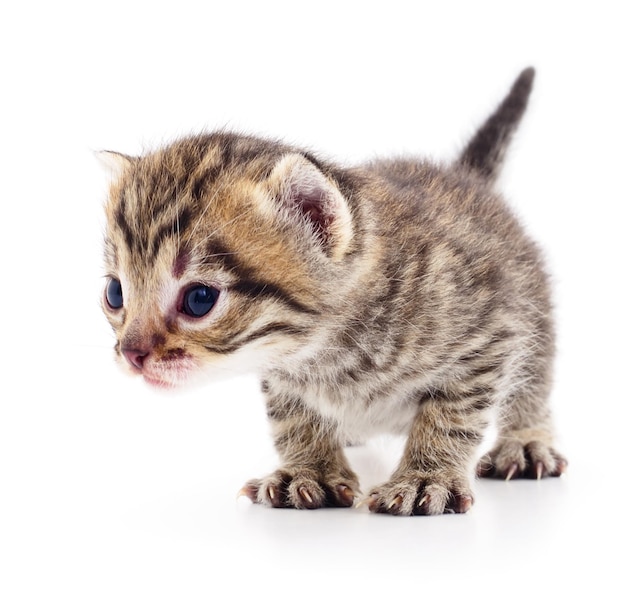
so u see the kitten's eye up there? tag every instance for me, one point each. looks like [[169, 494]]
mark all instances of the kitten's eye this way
[[114, 297], [199, 300]]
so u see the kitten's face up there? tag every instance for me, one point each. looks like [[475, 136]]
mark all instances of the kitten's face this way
[[216, 260]]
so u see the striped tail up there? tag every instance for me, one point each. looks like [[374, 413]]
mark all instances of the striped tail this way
[[485, 151]]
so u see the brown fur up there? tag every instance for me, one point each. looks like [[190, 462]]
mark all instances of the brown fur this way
[[396, 297]]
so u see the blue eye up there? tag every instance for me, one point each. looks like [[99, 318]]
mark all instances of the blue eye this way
[[199, 300], [114, 297]]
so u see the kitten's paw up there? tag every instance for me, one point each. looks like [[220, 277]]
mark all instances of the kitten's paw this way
[[516, 458], [302, 490], [416, 493]]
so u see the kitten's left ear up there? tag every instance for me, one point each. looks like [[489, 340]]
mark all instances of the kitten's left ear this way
[[314, 199], [114, 163]]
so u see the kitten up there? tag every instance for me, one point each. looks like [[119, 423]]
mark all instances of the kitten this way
[[396, 297]]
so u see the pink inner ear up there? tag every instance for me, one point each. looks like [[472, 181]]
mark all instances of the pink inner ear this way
[[311, 200], [313, 204], [304, 191]]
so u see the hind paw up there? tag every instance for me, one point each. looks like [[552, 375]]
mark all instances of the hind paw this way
[[514, 458]]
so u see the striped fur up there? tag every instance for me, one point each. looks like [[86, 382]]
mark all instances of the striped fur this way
[[400, 296]]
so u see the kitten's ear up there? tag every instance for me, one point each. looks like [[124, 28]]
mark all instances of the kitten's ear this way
[[302, 189], [114, 163]]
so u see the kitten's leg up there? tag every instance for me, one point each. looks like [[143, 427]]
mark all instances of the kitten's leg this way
[[314, 471], [524, 447], [437, 467]]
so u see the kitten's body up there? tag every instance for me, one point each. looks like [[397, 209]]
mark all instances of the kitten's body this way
[[396, 297]]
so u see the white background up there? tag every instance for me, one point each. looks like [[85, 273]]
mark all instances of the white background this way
[[108, 488]]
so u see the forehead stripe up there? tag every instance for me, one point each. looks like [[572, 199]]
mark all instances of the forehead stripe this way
[[172, 229], [121, 220]]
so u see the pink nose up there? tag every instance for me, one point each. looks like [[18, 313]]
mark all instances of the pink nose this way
[[135, 357]]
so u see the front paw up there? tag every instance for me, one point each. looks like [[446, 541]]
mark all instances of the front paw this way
[[415, 493], [302, 489]]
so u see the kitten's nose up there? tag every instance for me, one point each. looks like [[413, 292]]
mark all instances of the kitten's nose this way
[[135, 357]]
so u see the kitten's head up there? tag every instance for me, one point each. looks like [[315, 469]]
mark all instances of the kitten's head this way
[[221, 253]]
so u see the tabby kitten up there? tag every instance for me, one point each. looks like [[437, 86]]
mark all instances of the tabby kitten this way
[[395, 297]]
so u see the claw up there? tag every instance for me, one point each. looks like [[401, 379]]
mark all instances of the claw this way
[[346, 495], [395, 504], [512, 472], [305, 494], [370, 500], [250, 492], [539, 470], [271, 491]]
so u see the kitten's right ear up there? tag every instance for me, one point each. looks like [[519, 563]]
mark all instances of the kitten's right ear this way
[[302, 192], [114, 163]]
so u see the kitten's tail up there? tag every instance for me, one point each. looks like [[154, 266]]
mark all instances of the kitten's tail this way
[[485, 151]]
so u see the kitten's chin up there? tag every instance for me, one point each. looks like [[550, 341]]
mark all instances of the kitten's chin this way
[[169, 378], [161, 384]]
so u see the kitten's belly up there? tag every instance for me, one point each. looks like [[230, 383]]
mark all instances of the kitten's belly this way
[[358, 417]]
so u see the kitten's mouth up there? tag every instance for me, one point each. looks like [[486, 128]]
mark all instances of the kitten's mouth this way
[[165, 376]]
